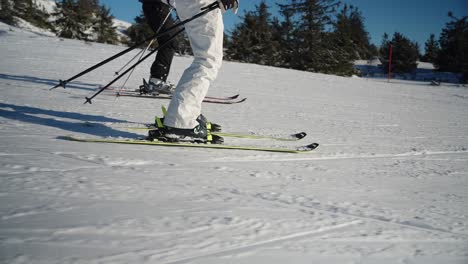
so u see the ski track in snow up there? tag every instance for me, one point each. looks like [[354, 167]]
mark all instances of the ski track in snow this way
[[388, 183]]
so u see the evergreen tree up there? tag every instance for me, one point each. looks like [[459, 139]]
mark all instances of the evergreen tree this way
[[23, 8], [404, 54], [453, 55], [70, 22], [316, 50], [359, 35], [139, 31], [344, 33], [252, 40], [349, 26], [103, 26], [283, 33], [88, 6], [27, 10], [384, 48], [431, 49], [40, 17], [85, 11], [6, 12]]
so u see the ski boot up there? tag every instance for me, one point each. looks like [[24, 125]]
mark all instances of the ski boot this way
[[159, 123], [198, 134], [156, 86]]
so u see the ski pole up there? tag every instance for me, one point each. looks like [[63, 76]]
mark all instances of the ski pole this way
[[88, 99], [130, 61], [207, 9], [143, 51]]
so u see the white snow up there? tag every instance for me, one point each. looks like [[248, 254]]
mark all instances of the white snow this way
[[388, 184], [47, 5]]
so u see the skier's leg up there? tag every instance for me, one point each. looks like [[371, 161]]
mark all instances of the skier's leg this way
[[155, 14], [206, 38]]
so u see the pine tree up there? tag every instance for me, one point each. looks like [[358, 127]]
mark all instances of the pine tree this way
[[431, 49], [283, 33], [252, 40], [103, 26], [22, 8], [453, 55], [27, 10], [6, 12], [86, 11], [139, 31], [88, 6], [70, 22], [315, 48], [404, 54], [350, 27], [359, 34]]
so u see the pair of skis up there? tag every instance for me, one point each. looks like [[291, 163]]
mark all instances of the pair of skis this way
[[302, 149], [293, 137], [195, 144]]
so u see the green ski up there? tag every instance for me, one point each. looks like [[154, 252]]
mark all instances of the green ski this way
[[303, 149]]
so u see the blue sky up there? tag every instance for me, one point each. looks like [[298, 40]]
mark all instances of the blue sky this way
[[416, 19]]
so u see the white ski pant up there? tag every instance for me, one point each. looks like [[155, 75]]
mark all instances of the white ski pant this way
[[206, 38]]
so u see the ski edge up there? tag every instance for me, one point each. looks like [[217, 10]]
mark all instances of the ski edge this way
[[299, 150]]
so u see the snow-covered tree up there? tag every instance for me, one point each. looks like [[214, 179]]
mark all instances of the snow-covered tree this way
[[24, 9], [103, 26], [70, 22]]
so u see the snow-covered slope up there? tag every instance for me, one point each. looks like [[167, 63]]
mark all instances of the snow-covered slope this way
[[389, 183]]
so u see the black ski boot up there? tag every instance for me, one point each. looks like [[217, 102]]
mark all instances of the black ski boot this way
[[201, 119], [198, 134]]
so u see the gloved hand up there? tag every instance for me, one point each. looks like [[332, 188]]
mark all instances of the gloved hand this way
[[228, 4]]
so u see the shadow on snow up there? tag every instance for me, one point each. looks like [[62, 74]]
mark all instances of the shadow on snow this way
[[50, 82], [35, 115]]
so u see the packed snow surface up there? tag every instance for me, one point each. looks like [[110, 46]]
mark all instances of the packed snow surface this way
[[388, 184]]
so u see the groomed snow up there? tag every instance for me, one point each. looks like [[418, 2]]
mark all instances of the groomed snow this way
[[388, 184]]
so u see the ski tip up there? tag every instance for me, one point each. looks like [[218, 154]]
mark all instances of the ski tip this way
[[313, 146], [300, 135]]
